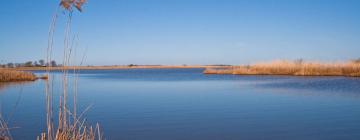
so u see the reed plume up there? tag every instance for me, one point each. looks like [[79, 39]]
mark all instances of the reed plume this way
[[69, 4]]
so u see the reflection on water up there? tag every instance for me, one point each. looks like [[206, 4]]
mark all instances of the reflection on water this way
[[6, 117], [4, 85], [184, 104]]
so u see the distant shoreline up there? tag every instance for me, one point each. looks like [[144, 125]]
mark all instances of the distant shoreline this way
[[290, 68], [23, 74], [117, 67]]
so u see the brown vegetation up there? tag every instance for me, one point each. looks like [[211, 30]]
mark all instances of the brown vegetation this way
[[296, 68], [12, 76]]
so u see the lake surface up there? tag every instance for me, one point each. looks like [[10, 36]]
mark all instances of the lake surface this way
[[184, 104]]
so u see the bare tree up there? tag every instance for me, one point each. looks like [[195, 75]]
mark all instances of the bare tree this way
[[42, 62], [10, 65], [53, 63]]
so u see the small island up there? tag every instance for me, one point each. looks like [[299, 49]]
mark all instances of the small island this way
[[15, 76]]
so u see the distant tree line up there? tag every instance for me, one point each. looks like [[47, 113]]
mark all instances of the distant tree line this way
[[357, 61], [39, 63]]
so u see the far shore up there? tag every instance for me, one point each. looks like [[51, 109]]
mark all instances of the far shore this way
[[292, 68], [22, 73], [117, 67]]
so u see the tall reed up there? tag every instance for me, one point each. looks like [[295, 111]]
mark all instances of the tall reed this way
[[70, 126]]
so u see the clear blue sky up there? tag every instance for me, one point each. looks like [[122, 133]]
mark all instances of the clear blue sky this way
[[187, 31]]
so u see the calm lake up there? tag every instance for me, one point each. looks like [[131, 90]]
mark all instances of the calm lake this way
[[184, 104]]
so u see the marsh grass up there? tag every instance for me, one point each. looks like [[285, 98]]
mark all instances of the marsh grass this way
[[13, 76], [295, 68]]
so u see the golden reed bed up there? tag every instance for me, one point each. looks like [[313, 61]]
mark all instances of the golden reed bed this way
[[295, 68], [13, 76]]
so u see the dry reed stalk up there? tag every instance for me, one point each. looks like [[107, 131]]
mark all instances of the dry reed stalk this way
[[48, 87], [4, 130], [70, 126]]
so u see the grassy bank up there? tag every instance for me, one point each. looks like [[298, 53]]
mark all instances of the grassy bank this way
[[295, 68], [14, 76]]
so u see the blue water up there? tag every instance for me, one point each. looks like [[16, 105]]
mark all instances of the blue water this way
[[184, 104]]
